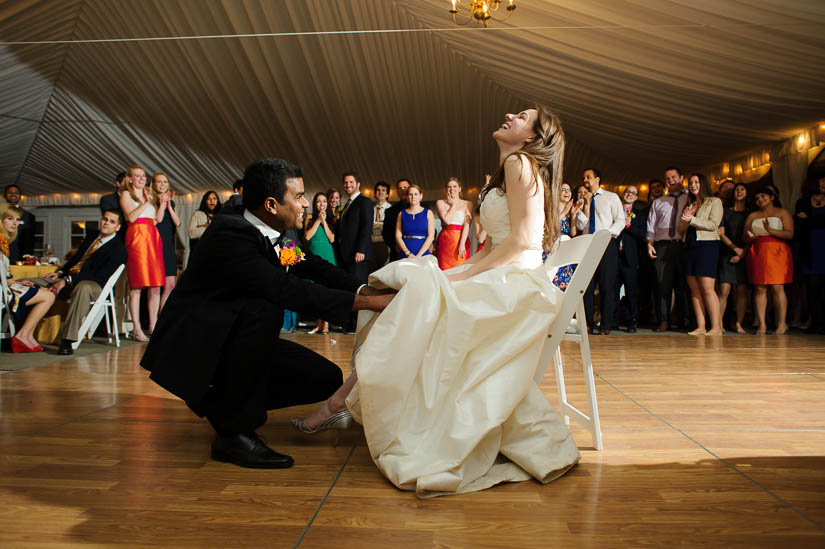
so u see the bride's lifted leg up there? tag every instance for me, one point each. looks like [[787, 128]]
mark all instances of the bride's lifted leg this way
[[332, 411]]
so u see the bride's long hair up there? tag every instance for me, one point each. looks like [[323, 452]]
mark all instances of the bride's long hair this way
[[545, 154]]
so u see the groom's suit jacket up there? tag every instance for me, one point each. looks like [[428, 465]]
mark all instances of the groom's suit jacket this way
[[235, 271]]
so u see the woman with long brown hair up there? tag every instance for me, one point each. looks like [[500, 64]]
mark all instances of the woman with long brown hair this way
[[145, 263], [437, 415]]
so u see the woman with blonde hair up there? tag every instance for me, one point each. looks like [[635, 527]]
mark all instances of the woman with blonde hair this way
[[25, 302], [453, 245], [145, 262], [438, 415], [163, 198]]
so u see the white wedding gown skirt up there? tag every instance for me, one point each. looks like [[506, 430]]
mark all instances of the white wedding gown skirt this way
[[445, 386]]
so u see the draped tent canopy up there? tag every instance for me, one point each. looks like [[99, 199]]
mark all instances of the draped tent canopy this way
[[391, 88]]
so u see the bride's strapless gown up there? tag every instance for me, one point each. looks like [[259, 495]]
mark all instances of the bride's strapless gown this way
[[445, 386]]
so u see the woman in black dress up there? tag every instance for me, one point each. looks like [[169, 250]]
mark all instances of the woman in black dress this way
[[163, 197], [732, 257]]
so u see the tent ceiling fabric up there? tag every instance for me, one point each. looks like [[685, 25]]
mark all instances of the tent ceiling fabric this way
[[638, 85]]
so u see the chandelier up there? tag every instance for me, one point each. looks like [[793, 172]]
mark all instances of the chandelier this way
[[480, 10]]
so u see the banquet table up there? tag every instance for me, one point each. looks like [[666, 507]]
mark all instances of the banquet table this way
[[48, 331]]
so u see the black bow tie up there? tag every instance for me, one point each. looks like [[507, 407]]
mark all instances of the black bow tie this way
[[279, 240]]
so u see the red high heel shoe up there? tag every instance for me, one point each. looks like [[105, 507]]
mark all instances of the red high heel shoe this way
[[18, 346]]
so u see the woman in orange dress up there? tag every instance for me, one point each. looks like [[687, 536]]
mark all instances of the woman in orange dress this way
[[145, 263], [453, 245], [769, 260]]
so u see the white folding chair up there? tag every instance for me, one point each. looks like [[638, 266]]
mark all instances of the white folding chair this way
[[6, 324], [102, 307], [585, 252]]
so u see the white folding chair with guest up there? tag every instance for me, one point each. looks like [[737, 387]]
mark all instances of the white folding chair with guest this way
[[83, 277]]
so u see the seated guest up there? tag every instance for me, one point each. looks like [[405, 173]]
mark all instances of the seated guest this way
[[415, 228], [700, 225], [769, 258], [732, 257], [26, 303], [82, 278], [210, 206], [24, 243]]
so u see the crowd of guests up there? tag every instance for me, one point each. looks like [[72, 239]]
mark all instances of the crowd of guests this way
[[674, 261], [678, 256]]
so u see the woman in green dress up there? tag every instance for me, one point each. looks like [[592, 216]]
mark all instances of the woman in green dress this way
[[319, 236]]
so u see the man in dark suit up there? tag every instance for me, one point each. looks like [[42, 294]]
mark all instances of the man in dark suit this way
[[24, 243], [234, 202], [631, 242], [82, 278], [353, 238], [217, 345], [111, 202], [391, 218]]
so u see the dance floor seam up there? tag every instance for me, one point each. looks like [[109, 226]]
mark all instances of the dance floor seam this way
[[717, 457]]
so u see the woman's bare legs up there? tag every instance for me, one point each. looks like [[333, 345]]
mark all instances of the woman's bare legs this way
[[741, 306], [37, 307], [780, 304], [724, 293], [169, 285], [134, 309], [698, 305], [334, 404], [760, 304], [711, 301], [153, 305]]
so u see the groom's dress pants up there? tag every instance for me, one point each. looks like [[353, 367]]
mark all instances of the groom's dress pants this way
[[255, 376]]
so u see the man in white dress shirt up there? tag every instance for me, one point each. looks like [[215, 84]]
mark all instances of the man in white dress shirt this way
[[603, 210]]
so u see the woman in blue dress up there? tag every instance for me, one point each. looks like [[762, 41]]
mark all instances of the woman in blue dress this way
[[567, 210], [415, 228]]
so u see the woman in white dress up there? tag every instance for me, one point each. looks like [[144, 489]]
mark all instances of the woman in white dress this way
[[458, 409]]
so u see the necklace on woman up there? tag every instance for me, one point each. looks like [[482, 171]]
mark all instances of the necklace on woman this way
[[818, 202]]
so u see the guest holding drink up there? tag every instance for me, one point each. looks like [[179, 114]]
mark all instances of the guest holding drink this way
[[415, 228], [769, 258], [732, 258], [145, 249], [25, 302], [319, 236], [453, 245], [210, 206], [700, 225], [163, 197]]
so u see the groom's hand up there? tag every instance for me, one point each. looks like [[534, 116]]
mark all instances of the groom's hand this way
[[373, 299]]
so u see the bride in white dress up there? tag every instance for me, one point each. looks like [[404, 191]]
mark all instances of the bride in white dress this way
[[443, 377]]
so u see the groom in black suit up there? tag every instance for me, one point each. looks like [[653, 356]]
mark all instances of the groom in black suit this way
[[216, 344]]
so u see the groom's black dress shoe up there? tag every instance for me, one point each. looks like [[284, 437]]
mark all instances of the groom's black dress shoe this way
[[247, 450], [65, 347]]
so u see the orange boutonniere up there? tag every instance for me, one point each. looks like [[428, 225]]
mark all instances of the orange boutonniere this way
[[4, 246], [291, 254]]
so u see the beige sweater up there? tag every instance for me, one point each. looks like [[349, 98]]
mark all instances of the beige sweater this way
[[706, 220]]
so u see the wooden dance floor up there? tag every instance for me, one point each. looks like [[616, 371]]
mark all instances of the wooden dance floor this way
[[714, 442]]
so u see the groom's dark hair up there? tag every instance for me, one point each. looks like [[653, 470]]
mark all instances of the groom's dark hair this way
[[267, 177]]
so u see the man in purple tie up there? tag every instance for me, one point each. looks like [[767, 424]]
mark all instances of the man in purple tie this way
[[664, 245]]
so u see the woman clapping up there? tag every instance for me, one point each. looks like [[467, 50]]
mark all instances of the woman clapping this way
[[319, 236]]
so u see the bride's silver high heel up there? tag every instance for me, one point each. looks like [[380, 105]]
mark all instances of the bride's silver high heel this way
[[339, 420]]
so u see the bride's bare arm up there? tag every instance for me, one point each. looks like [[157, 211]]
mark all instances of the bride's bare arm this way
[[524, 204]]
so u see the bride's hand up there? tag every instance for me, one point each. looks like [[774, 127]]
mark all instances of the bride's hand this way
[[457, 277]]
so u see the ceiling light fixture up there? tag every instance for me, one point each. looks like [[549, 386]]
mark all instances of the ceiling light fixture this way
[[480, 10]]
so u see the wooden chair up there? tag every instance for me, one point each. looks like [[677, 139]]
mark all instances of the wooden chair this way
[[585, 252], [6, 323], [102, 307]]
